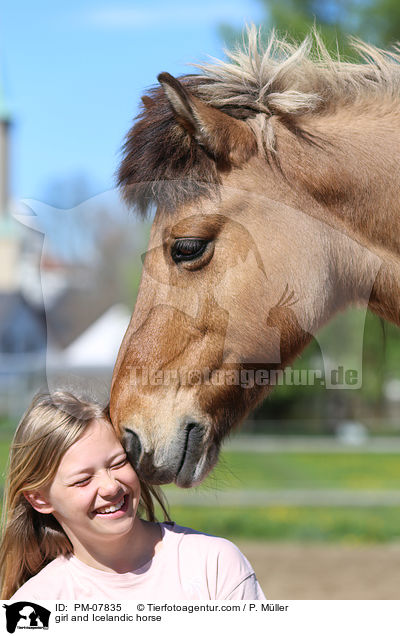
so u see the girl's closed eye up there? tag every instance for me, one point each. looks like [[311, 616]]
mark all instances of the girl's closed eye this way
[[82, 482], [85, 480], [121, 462]]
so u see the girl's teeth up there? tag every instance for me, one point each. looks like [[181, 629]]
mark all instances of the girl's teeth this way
[[112, 508]]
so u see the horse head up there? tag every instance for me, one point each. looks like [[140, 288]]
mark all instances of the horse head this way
[[246, 259]]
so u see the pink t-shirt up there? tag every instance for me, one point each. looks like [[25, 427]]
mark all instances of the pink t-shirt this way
[[188, 566]]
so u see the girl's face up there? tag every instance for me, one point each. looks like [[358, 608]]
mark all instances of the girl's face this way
[[95, 493]]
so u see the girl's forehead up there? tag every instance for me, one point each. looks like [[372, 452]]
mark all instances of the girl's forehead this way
[[97, 442], [97, 429]]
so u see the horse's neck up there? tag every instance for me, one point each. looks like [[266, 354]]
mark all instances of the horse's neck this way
[[351, 164], [385, 295], [364, 177], [352, 167]]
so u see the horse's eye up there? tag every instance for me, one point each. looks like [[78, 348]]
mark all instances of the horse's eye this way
[[187, 249]]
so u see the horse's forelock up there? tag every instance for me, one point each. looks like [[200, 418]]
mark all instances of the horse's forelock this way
[[161, 163]]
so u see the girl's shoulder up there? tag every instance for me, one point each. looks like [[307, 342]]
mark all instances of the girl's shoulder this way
[[42, 585], [205, 546], [228, 574], [183, 533]]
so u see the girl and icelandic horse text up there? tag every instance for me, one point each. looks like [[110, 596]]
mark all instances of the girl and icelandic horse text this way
[[277, 184]]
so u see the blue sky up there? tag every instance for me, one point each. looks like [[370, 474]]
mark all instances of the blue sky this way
[[74, 71]]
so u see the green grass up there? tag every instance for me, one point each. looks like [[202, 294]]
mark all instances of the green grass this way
[[272, 471], [280, 523], [4, 449], [289, 471]]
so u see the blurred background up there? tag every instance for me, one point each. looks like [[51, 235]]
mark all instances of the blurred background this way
[[309, 487]]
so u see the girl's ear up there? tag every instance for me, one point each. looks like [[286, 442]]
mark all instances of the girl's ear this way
[[39, 502]]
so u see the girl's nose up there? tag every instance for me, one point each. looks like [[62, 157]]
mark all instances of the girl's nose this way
[[107, 485]]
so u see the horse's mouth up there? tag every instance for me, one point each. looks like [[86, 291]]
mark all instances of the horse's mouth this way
[[192, 473], [187, 464], [191, 454]]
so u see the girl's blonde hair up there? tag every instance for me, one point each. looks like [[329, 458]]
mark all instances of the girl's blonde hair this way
[[48, 429]]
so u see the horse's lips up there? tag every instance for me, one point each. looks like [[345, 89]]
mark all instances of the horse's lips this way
[[191, 455], [188, 476]]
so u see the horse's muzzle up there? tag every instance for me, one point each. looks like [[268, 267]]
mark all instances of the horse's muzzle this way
[[179, 462]]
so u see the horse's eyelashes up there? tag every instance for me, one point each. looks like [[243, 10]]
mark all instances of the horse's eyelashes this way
[[189, 246], [187, 249]]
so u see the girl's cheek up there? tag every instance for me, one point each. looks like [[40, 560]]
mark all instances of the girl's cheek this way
[[127, 474], [134, 479], [85, 497]]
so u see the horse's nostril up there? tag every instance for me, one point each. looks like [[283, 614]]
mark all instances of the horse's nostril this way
[[132, 445]]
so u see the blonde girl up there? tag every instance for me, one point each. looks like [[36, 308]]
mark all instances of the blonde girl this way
[[31, 539], [73, 525]]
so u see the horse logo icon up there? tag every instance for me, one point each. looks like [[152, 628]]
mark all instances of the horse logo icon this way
[[26, 615]]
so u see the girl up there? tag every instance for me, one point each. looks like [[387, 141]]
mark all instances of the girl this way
[[73, 528]]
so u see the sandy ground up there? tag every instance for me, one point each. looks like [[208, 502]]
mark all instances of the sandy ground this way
[[310, 571]]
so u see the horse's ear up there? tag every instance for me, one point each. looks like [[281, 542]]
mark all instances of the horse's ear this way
[[227, 139]]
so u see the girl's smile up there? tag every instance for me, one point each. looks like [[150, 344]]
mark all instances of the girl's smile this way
[[95, 493], [112, 510]]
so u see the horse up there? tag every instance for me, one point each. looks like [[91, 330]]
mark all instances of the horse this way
[[276, 182]]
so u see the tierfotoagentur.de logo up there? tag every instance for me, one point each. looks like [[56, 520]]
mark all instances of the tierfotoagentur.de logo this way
[[26, 615]]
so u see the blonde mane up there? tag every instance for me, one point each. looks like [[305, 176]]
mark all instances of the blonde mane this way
[[285, 78], [162, 164]]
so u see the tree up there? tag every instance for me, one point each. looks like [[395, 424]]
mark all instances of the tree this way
[[375, 21]]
